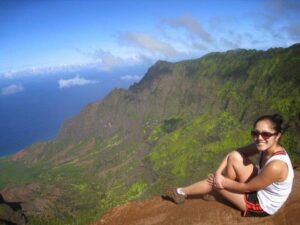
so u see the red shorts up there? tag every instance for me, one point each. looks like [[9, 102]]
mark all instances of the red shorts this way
[[253, 208]]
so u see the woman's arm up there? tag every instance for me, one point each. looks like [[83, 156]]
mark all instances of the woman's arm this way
[[273, 172], [248, 150]]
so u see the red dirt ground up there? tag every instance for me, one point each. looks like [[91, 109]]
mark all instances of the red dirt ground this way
[[19, 155], [157, 211]]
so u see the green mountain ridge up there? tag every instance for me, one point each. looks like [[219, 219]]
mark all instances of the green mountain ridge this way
[[170, 128]]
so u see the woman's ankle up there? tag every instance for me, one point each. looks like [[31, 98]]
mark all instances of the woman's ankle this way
[[181, 192]]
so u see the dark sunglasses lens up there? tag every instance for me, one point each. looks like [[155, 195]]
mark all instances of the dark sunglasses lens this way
[[266, 135], [254, 133]]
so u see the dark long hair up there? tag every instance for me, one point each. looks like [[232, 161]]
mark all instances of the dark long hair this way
[[275, 119]]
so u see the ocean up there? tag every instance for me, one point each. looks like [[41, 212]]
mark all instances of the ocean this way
[[37, 111]]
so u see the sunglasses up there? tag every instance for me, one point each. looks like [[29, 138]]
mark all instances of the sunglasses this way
[[265, 135]]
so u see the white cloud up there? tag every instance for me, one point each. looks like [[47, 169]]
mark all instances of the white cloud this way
[[271, 23], [191, 25], [106, 60], [76, 81], [99, 59], [147, 42], [294, 31], [131, 77], [12, 89], [278, 20], [35, 71]]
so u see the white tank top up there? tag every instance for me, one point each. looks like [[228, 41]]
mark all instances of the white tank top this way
[[272, 197]]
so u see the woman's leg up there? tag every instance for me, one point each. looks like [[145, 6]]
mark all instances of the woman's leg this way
[[238, 168], [199, 188], [241, 169]]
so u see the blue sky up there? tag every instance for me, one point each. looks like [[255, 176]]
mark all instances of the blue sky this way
[[39, 36]]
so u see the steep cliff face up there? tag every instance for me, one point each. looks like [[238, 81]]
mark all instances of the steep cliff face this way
[[172, 127], [161, 94], [243, 82]]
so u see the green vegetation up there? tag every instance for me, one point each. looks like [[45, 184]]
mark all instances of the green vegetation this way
[[172, 128], [121, 194], [188, 153]]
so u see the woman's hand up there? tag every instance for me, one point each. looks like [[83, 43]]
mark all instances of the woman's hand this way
[[215, 180], [218, 181], [210, 179]]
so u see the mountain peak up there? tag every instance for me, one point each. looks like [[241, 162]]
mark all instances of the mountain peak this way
[[159, 69]]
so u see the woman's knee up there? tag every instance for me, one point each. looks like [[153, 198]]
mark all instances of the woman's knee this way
[[235, 157], [240, 167]]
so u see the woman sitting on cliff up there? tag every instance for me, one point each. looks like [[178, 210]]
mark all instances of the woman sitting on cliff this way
[[256, 191]]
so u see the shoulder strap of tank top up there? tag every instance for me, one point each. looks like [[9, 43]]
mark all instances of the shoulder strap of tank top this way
[[282, 152], [279, 153]]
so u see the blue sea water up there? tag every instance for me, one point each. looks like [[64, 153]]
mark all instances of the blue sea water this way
[[37, 113]]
